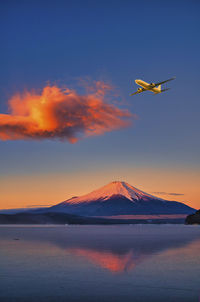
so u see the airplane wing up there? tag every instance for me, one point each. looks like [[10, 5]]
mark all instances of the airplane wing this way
[[134, 93], [138, 91], [157, 84]]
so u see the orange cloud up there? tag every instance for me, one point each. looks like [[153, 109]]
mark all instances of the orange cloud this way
[[64, 115]]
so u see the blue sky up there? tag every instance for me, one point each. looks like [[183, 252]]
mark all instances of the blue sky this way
[[115, 41]]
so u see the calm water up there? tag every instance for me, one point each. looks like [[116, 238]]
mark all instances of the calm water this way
[[100, 263]]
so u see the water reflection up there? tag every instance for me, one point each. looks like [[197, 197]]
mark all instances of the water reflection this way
[[108, 260], [116, 249]]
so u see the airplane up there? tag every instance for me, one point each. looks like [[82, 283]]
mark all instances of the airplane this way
[[154, 87]]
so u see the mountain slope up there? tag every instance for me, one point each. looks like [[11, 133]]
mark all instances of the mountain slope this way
[[120, 198]]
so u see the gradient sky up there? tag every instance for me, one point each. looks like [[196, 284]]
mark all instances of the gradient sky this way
[[61, 42]]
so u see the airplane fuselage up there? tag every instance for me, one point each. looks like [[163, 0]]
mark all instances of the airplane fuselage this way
[[148, 86]]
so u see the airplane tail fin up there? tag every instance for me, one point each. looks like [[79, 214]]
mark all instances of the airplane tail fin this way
[[159, 87]]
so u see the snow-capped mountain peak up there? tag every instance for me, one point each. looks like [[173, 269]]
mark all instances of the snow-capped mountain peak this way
[[114, 188], [119, 198]]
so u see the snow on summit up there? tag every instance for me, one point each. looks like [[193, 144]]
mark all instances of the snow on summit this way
[[114, 188]]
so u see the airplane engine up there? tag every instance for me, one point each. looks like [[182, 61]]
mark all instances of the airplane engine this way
[[139, 89], [152, 84]]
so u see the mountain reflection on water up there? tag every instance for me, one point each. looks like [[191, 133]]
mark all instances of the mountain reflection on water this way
[[116, 249], [108, 260]]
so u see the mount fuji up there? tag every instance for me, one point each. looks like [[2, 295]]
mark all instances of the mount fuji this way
[[119, 198]]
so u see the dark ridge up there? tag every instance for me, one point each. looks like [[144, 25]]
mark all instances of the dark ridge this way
[[63, 218], [193, 218]]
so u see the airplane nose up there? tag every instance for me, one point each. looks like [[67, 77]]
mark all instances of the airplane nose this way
[[136, 81]]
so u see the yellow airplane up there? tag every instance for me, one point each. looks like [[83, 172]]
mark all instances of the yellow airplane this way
[[154, 87]]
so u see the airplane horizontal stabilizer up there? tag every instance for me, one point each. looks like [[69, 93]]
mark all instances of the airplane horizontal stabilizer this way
[[165, 89]]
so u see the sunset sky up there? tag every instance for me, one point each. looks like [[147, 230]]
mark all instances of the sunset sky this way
[[151, 141]]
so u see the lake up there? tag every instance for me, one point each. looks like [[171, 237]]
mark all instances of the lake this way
[[100, 263]]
